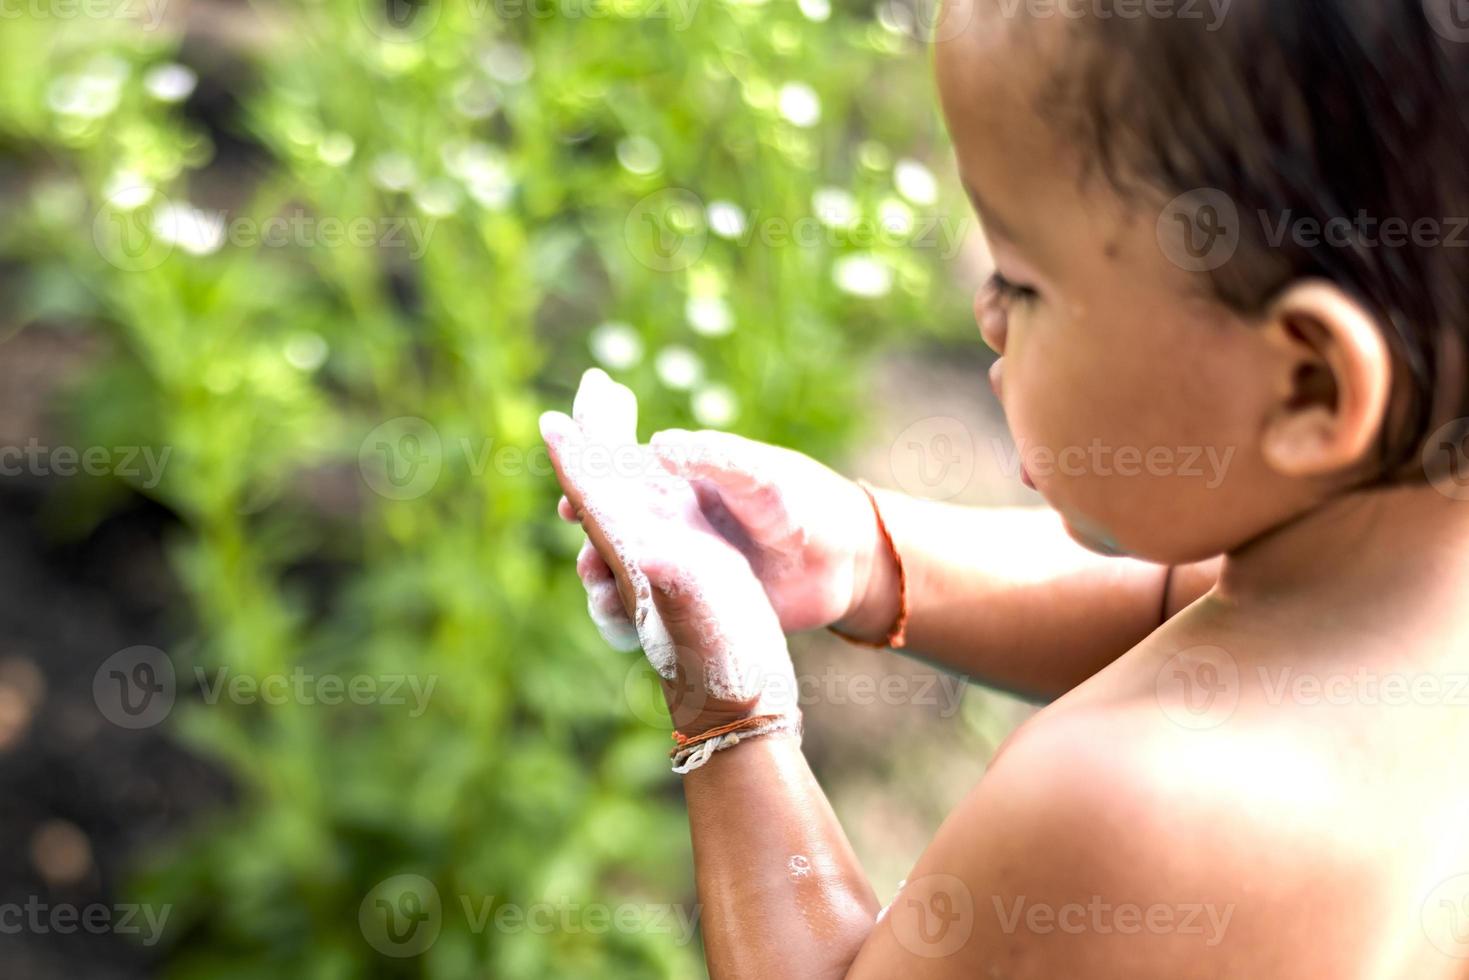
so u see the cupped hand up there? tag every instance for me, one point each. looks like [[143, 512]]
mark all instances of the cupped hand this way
[[808, 532], [684, 592]]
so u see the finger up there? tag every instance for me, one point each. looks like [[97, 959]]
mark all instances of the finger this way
[[739, 469], [696, 628], [616, 629], [590, 566], [606, 411], [565, 510], [566, 444]]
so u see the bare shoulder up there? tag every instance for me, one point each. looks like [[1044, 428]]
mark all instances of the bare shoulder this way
[[1106, 841]]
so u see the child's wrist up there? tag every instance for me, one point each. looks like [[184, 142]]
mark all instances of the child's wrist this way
[[878, 595]]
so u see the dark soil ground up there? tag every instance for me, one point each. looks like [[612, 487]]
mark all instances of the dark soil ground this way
[[79, 796]]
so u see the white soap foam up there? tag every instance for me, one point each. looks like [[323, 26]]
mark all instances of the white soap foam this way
[[647, 512]]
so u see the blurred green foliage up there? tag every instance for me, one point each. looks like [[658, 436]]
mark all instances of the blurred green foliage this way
[[352, 423]]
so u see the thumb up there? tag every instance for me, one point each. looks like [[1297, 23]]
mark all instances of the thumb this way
[[672, 594]]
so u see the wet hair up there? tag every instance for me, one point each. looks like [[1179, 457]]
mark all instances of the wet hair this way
[[1305, 111]]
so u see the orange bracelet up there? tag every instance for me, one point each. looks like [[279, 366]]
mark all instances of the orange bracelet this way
[[684, 741], [897, 636]]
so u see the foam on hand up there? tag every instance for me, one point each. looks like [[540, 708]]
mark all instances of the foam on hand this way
[[649, 515], [608, 415]]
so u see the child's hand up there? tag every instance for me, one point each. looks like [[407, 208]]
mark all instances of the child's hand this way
[[685, 593], [809, 533]]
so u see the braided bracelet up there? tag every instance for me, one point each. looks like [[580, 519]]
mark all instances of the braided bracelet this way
[[694, 751]]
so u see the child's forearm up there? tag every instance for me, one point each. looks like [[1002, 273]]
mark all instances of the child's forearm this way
[[1006, 596], [781, 892]]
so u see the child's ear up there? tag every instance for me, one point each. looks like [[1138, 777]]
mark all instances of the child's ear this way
[[1333, 385]]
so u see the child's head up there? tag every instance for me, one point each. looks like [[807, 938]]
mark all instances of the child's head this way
[[1235, 229]]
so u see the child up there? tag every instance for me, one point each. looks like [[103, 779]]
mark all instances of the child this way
[[1229, 236]]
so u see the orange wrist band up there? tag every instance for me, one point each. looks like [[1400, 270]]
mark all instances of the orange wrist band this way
[[694, 751], [684, 741], [897, 636]]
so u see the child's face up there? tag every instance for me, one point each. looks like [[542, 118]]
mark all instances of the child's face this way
[[1137, 403]]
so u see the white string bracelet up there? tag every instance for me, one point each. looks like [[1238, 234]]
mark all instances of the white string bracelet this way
[[691, 757]]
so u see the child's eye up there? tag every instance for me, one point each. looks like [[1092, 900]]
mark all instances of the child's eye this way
[[1011, 292]]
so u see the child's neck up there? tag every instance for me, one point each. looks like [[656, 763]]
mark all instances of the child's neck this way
[[1379, 557]]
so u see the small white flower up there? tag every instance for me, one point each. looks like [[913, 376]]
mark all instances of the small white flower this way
[[816, 10], [394, 172], [639, 155], [508, 63], [475, 99], [715, 406], [438, 198], [726, 219], [615, 345], [306, 351], [484, 171], [895, 217], [336, 149], [678, 367], [863, 275], [834, 207], [915, 182], [709, 315], [800, 104], [195, 231], [874, 155], [170, 82], [128, 190], [84, 96]]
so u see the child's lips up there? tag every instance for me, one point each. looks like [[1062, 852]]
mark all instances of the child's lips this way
[[1025, 478]]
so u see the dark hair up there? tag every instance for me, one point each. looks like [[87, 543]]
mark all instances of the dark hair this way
[[1317, 109]]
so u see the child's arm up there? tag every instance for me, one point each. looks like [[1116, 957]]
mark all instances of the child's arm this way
[[1006, 596], [1003, 595]]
